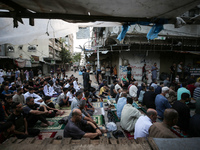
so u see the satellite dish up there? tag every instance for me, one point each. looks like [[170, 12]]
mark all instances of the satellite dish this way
[[116, 29]]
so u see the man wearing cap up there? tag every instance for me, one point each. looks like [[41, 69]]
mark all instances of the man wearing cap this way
[[161, 101]]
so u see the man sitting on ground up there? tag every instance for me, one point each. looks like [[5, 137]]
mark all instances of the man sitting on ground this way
[[30, 93], [161, 101], [76, 99], [85, 115], [143, 124], [19, 120], [129, 116], [149, 98], [133, 90], [183, 112], [33, 114], [62, 98], [78, 128], [120, 104], [18, 97], [162, 129]]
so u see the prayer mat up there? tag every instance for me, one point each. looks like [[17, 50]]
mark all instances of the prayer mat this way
[[55, 126], [178, 133], [44, 135], [129, 135], [65, 108], [97, 104], [99, 119], [67, 112]]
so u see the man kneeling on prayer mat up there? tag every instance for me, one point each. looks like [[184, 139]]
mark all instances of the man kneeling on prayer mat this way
[[78, 128], [163, 129], [129, 116]]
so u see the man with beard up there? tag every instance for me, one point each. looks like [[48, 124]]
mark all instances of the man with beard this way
[[19, 120], [18, 97], [34, 114]]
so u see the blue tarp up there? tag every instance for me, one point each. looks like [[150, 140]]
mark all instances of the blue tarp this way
[[152, 34]]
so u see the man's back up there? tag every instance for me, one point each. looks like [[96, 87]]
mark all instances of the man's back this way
[[184, 115], [149, 99], [120, 105], [73, 130], [129, 117], [161, 104], [161, 130], [142, 127]]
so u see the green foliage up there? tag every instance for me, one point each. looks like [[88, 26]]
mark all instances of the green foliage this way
[[65, 55], [77, 57]]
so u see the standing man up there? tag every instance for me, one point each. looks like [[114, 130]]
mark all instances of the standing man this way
[[172, 72], [144, 72], [31, 75], [103, 71], [108, 74], [129, 69], [17, 73], [180, 70], [86, 79], [154, 72]]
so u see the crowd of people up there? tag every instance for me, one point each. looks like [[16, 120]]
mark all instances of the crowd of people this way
[[25, 100]]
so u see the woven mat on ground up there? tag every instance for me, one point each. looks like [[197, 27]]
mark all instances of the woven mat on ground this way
[[66, 108], [178, 133], [99, 119], [56, 125], [97, 104], [136, 105], [67, 112], [44, 135], [129, 135]]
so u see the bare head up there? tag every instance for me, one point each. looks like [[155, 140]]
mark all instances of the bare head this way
[[152, 114], [170, 117], [76, 115]]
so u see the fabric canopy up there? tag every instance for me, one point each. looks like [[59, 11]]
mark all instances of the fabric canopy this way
[[42, 29]]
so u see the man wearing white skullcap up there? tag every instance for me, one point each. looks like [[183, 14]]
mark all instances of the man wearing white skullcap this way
[[161, 101]]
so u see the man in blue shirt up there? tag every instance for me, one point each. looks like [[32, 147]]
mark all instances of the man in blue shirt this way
[[161, 101], [120, 103], [182, 90], [7, 92]]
